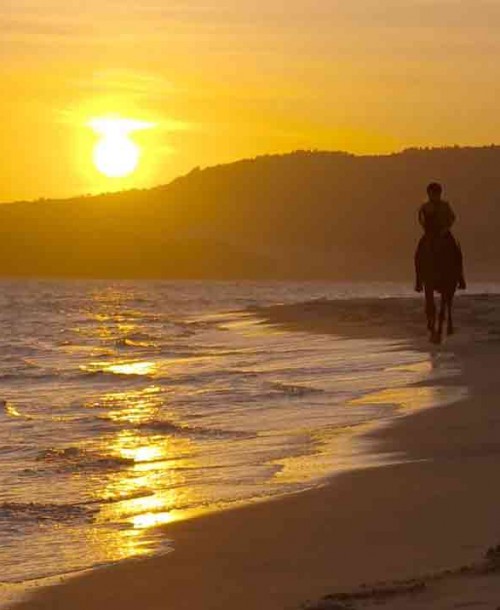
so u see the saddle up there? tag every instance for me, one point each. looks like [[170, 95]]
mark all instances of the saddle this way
[[439, 261]]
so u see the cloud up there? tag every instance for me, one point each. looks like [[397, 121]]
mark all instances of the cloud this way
[[32, 23], [133, 84], [195, 33]]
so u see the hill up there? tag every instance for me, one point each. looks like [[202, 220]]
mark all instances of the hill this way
[[305, 215]]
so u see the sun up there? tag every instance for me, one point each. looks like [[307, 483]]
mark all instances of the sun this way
[[116, 155]]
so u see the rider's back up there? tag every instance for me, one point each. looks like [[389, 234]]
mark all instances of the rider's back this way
[[436, 217]]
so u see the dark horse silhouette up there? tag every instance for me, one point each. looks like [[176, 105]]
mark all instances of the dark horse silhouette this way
[[441, 272]]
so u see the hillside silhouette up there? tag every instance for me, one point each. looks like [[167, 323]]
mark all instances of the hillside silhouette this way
[[305, 215]]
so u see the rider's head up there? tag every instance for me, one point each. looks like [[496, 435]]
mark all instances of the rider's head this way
[[434, 190]]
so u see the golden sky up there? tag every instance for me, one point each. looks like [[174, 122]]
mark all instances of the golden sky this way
[[226, 79]]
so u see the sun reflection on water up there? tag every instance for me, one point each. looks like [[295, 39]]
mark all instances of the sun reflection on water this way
[[148, 520], [122, 368], [150, 490], [132, 368], [133, 406], [144, 454]]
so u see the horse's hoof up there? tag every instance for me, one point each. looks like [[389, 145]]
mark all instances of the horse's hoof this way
[[450, 331], [436, 338]]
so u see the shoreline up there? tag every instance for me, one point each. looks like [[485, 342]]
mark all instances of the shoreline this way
[[354, 529]]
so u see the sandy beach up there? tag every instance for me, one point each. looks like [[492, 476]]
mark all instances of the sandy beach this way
[[353, 543]]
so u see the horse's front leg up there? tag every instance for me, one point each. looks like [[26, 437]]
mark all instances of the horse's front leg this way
[[430, 309]]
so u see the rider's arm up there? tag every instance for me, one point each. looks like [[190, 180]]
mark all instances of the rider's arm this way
[[421, 216], [450, 217]]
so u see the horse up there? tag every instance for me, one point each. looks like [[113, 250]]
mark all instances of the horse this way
[[441, 265]]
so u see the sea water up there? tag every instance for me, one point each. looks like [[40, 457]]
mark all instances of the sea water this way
[[128, 405]]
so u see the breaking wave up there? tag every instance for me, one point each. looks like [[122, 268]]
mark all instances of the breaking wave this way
[[74, 458], [42, 513]]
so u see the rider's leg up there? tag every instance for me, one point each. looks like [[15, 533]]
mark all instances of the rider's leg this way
[[418, 265]]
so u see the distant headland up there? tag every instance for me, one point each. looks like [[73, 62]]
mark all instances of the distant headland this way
[[303, 215]]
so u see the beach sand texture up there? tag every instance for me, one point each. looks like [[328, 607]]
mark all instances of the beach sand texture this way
[[434, 511]]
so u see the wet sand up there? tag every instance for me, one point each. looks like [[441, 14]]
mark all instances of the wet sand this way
[[434, 512]]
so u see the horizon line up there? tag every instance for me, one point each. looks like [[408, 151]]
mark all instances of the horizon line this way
[[304, 151]]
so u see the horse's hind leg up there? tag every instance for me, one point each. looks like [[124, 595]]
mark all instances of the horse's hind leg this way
[[437, 334]]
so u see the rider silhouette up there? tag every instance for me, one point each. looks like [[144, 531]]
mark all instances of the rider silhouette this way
[[436, 217]]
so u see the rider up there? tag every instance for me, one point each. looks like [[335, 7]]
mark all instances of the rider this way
[[436, 217]]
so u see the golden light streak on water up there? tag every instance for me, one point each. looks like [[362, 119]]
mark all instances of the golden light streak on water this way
[[12, 411], [131, 368], [152, 520], [126, 367], [153, 485]]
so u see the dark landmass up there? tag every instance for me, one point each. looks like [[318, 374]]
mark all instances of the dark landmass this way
[[306, 215]]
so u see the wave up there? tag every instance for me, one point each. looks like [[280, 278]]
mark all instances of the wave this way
[[23, 375], [126, 342], [10, 410], [295, 389], [42, 513], [163, 426], [141, 493], [137, 340], [74, 458]]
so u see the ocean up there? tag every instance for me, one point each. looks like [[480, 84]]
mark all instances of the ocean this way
[[128, 405]]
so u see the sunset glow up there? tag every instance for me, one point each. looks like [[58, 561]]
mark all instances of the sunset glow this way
[[241, 79]]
